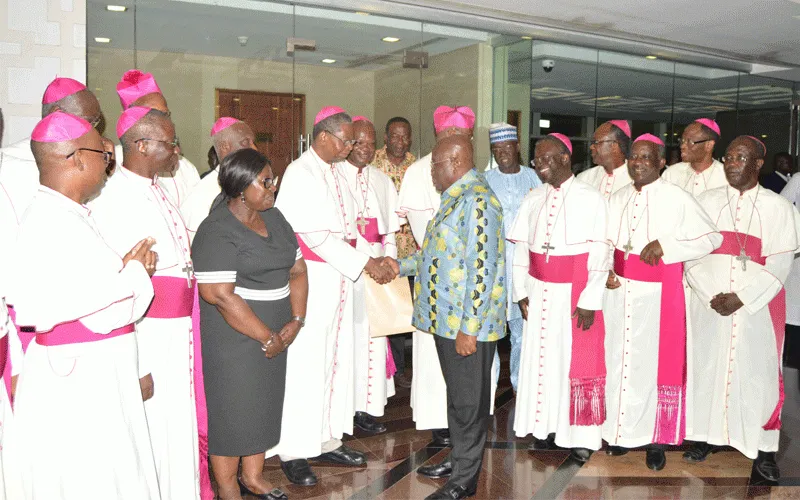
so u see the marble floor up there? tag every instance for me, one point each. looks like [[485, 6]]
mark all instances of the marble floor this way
[[510, 471]]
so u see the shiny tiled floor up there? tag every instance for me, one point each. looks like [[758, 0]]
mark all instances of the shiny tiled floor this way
[[511, 472]]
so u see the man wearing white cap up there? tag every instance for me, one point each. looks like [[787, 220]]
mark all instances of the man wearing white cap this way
[[319, 406], [699, 171], [228, 135], [510, 182], [610, 146], [654, 228]]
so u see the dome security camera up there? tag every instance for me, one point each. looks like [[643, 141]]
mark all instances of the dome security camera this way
[[242, 40], [548, 65]]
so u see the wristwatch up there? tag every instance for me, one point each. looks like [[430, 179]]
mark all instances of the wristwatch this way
[[301, 319]]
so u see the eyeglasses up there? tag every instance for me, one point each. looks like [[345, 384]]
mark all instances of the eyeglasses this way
[[173, 143], [642, 157], [346, 143], [267, 182], [107, 155], [596, 143], [690, 142], [735, 159], [543, 160]]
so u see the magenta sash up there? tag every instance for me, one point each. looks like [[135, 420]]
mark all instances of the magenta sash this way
[[587, 370], [172, 298], [7, 368], [371, 232], [670, 425], [309, 254], [74, 332], [777, 310]]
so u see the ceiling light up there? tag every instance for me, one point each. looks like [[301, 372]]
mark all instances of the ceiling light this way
[[360, 13], [102, 39], [764, 136], [329, 61], [544, 123], [116, 8], [390, 39], [527, 37], [651, 57]]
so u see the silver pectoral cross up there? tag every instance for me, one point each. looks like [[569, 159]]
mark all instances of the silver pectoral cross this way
[[743, 258], [627, 247], [361, 223], [546, 247], [188, 269]]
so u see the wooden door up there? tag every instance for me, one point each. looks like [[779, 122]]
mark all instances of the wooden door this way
[[276, 119]]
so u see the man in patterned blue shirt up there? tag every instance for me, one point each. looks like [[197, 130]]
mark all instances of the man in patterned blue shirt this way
[[461, 298]]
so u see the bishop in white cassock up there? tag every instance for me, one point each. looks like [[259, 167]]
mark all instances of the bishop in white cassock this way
[[229, 135], [699, 171], [739, 316], [78, 399], [791, 351], [320, 381], [610, 146], [654, 228], [375, 203], [132, 205], [561, 267]]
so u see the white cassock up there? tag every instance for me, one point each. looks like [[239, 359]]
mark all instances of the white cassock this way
[[197, 204], [663, 212], [179, 184], [375, 198], [319, 404], [792, 193], [19, 182], [736, 360], [556, 218], [419, 202], [607, 184], [129, 209], [78, 403], [684, 176]]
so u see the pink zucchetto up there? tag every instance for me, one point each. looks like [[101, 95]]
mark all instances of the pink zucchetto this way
[[327, 112], [61, 88], [708, 122], [759, 141], [222, 124], [649, 138], [129, 117], [622, 125], [60, 127], [135, 84], [453, 116], [360, 118], [563, 139]]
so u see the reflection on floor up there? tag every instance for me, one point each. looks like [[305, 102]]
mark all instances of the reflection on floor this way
[[512, 472]]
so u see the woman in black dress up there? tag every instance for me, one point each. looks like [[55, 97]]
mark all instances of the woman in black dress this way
[[254, 287]]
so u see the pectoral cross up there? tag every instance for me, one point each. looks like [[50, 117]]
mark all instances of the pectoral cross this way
[[627, 247], [188, 270], [743, 258], [546, 247], [361, 223]]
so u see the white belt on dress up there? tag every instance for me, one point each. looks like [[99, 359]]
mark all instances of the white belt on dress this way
[[265, 295]]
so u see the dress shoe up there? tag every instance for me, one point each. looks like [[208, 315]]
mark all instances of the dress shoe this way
[[656, 459], [275, 494], [582, 455], [402, 380], [367, 423], [699, 452], [616, 451], [441, 437], [452, 492], [436, 471], [767, 467], [343, 456], [543, 444], [299, 472]]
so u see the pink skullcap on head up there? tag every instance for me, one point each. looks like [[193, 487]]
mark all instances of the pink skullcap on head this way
[[563, 139], [135, 84], [61, 88], [360, 118], [759, 141], [327, 112], [708, 122], [448, 116], [60, 127], [622, 125], [129, 117], [649, 138], [222, 124]]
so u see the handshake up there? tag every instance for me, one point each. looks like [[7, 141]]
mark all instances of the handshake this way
[[383, 269]]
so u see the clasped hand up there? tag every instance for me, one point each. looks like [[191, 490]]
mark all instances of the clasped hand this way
[[382, 270], [726, 303]]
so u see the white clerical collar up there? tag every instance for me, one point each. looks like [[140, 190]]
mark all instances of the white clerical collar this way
[[616, 170], [134, 177], [647, 187], [784, 177], [734, 193], [566, 184], [60, 199]]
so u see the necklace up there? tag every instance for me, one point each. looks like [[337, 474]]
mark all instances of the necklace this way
[[743, 257], [362, 221], [629, 245], [547, 247]]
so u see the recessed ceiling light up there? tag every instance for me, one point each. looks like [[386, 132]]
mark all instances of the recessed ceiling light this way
[[544, 123], [650, 57], [390, 39], [361, 13], [764, 136], [102, 39], [527, 37], [329, 61], [116, 8]]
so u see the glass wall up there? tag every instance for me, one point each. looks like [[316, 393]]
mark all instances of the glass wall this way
[[585, 87]]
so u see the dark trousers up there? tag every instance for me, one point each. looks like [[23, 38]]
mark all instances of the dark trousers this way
[[397, 343], [468, 380], [791, 348]]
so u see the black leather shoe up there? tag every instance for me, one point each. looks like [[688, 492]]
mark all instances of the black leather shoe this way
[[656, 459], [299, 472], [767, 467], [543, 444], [441, 437], [343, 456], [699, 452], [367, 423], [616, 451], [275, 494], [402, 381], [436, 471], [582, 455], [452, 492]]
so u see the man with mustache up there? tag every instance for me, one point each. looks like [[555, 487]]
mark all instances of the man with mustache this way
[[699, 171], [610, 146]]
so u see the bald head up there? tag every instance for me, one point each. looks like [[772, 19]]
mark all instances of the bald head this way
[[452, 157], [83, 104], [233, 138]]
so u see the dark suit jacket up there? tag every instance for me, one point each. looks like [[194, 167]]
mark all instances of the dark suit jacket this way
[[773, 182]]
